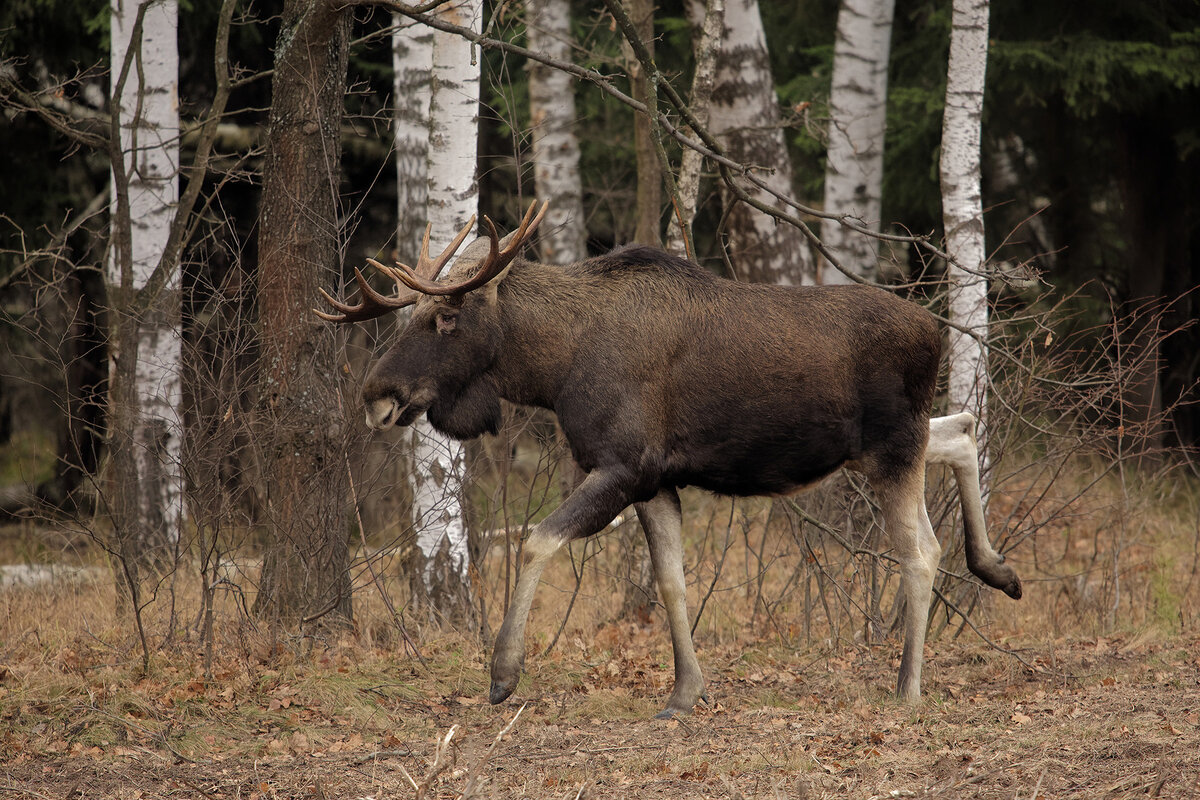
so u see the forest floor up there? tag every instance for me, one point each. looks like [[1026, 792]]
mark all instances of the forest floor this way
[[1097, 718], [1072, 694]]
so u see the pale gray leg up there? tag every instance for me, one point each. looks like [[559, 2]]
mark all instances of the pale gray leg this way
[[661, 521], [952, 442], [912, 539], [508, 658], [592, 505]]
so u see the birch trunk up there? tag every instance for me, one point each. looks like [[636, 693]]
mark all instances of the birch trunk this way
[[962, 207], [146, 433], [387, 456], [858, 117], [555, 147], [745, 117], [679, 232], [441, 531], [562, 237], [412, 60]]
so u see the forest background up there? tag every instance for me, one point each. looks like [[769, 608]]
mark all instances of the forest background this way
[[1090, 189]]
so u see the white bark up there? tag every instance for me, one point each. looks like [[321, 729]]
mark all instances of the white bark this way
[[412, 62], [962, 206], [149, 108], [453, 197], [858, 116], [679, 231], [745, 117], [563, 233]]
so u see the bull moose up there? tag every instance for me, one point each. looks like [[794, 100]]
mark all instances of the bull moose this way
[[663, 375]]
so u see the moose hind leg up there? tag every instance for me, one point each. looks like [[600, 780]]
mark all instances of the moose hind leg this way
[[912, 539], [952, 442], [660, 518]]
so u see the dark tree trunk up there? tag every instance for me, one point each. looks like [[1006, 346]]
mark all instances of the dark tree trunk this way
[[649, 172], [1153, 220], [305, 568], [640, 591], [82, 355]]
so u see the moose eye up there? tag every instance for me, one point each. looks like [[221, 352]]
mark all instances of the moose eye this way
[[446, 321]]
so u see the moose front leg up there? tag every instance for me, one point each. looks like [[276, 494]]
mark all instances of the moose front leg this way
[[661, 520], [594, 503]]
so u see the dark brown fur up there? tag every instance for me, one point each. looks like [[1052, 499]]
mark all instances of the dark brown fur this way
[[663, 375], [679, 378]]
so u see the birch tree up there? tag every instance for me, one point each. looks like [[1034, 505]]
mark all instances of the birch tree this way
[[146, 491], [555, 146], [412, 62], [857, 119], [745, 117], [452, 199], [962, 206], [679, 232]]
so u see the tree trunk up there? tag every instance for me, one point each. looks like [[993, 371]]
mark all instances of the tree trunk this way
[[563, 235], [962, 210], [145, 493], [1148, 173], [649, 171], [453, 196], [745, 117], [679, 232], [857, 119], [412, 60], [306, 566], [388, 456]]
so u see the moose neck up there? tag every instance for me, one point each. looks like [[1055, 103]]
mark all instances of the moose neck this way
[[541, 316]]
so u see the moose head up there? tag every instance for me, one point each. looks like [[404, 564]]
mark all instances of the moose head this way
[[439, 363]]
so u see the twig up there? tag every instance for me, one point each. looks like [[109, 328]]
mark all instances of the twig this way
[[858, 551], [387, 601], [583, 559], [439, 764], [716, 573], [159, 737], [477, 767], [21, 790], [404, 772], [1038, 787], [384, 754]]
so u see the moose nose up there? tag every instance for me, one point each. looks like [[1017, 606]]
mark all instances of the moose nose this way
[[383, 413]]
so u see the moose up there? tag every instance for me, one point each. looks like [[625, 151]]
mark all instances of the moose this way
[[664, 375]]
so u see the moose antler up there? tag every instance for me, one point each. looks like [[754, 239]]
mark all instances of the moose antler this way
[[493, 264], [375, 304]]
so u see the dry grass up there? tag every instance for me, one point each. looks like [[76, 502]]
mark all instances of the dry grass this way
[[1100, 699]]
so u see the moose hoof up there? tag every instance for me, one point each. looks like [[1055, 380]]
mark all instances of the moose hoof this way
[[501, 692], [678, 708], [998, 575]]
